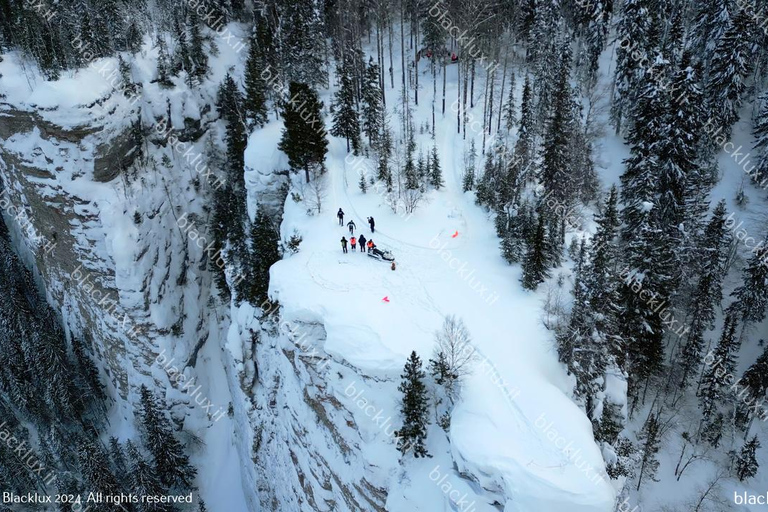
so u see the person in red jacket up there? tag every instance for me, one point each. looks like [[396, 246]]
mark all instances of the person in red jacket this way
[[353, 243], [371, 245]]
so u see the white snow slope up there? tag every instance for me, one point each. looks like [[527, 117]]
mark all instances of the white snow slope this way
[[516, 438]]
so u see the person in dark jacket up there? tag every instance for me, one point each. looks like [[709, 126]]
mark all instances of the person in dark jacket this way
[[351, 225], [340, 215], [361, 241], [372, 224], [344, 244]]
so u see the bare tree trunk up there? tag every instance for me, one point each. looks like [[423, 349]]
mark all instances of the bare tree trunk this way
[[492, 78], [380, 59], [391, 61], [402, 42], [458, 98], [501, 94], [464, 96], [485, 109], [416, 64], [472, 87], [444, 78]]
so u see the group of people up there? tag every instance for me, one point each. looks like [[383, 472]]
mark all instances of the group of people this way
[[361, 240]]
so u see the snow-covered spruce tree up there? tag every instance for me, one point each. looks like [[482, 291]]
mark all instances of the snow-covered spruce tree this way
[[144, 480], [601, 278], [302, 43], [525, 145], [732, 63], [228, 215], [170, 461], [631, 56], [711, 19], [759, 170], [255, 87], [713, 254], [264, 252], [596, 25], [572, 343], [435, 171], [304, 137], [543, 51], [648, 251], [117, 456], [535, 269], [746, 464], [95, 467], [715, 378], [510, 114], [755, 386], [649, 440], [413, 434], [489, 184], [510, 230], [556, 170], [372, 106], [751, 297], [346, 122], [362, 183], [198, 54]]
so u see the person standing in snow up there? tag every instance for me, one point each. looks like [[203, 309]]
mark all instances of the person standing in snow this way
[[351, 225], [340, 215], [353, 242], [372, 224], [344, 244], [371, 245], [362, 243]]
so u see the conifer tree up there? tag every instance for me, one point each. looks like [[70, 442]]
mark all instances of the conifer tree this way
[[759, 171], [304, 137], [255, 88], [601, 279], [117, 456], [197, 51], [712, 254], [372, 106], [170, 462], [302, 50], [435, 172], [730, 68], [631, 56], [556, 169], [524, 146], [413, 434], [510, 116], [362, 183], [95, 467], [535, 269], [746, 462], [145, 481], [650, 442], [715, 379], [751, 297], [346, 122], [755, 384], [263, 254]]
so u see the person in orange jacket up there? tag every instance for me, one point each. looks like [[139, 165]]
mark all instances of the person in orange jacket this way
[[353, 243], [371, 245]]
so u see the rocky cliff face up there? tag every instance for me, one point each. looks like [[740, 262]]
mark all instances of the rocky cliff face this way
[[107, 227]]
